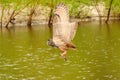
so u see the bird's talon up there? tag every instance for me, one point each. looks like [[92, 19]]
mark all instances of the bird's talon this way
[[64, 57]]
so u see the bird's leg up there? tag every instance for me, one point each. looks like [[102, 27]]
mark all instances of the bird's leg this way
[[64, 52], [64, 55]]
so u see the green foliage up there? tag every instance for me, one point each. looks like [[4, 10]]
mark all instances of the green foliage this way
[[74, 5], [116, 5]]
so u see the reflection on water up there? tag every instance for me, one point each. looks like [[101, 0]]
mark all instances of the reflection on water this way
[[24, 54]]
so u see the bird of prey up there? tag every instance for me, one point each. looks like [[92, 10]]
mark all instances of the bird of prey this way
[[63, 30]]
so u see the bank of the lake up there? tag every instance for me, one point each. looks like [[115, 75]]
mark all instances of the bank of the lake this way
[[41, 14]]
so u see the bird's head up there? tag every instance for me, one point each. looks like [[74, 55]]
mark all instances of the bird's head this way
[[51, 43]]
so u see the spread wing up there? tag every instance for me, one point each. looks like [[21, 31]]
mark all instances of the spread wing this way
[[62, 11], [60, 24], [63, 30], [73, 27]]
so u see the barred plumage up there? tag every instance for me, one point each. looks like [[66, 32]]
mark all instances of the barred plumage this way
[[63, 30], [62, 11]]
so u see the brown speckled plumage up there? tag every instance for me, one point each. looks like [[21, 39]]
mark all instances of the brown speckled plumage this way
[[63, 30]]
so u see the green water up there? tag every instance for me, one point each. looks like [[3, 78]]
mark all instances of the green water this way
[[24, 54]]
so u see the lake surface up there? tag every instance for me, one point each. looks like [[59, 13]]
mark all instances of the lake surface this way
[[24, 54]]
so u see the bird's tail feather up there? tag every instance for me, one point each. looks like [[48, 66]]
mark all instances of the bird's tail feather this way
[[71, 45]]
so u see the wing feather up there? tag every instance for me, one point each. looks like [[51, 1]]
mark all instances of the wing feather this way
[[60, 24], [62, 11], [73, 27], [63, 30]]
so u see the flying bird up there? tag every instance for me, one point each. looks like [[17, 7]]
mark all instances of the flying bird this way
[[63, 30]]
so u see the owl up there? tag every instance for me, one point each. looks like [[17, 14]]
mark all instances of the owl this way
[[63, 30]]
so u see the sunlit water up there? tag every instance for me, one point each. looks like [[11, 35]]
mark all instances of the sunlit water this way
[[24, 54]]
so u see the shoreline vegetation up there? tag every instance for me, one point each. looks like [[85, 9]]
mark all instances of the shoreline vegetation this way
[[29, 12]]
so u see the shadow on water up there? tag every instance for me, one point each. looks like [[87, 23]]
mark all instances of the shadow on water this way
[[108, 29], [30, 31], [51, 30], [103, 25], [33, 38], [1, 32], [11, 31]]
